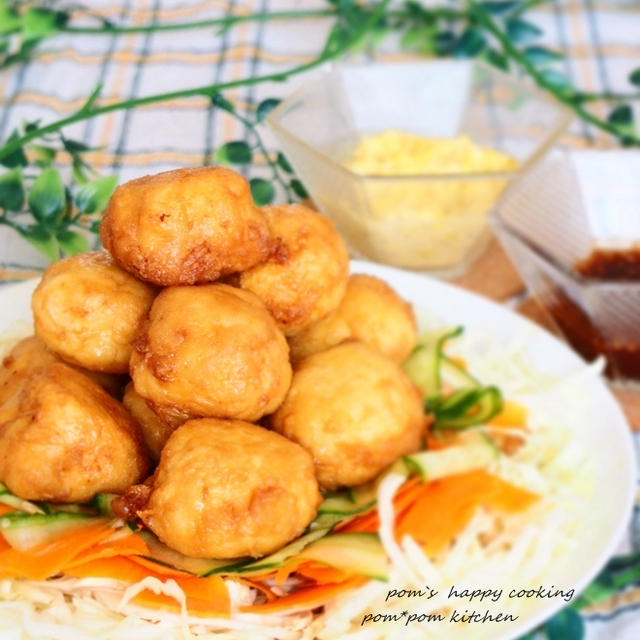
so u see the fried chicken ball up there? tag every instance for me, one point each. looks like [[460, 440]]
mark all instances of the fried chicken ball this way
[[186, 226], [228, 488], [30, 354], [354, 410], [87, 310], [64, 439], [155, 429], [372, 312], [306, 275], [211, 351]]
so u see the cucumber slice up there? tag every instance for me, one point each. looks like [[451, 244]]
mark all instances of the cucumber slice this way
[[359, 553], [160, 552], [480, 436], [467, 407], [6, 497], [292, 549], [349, 502], [466, 437], [452, 460], [23, 531], [455, 375], [423, 365], [18, 503], [101, 502]]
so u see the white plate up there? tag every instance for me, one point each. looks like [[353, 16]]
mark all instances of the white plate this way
[[604, 433]]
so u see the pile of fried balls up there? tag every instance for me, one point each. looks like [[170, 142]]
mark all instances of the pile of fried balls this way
[[216, 367]]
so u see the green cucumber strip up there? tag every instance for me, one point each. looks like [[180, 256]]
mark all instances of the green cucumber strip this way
[[101, 502], [452, 460], [160, 552], [455, 375], [423, 365], [359, 553], [458, 402], [468, 408], [23, 531], [292, 549], [349, 502], [466, 437], [6, 497], [18, 503]]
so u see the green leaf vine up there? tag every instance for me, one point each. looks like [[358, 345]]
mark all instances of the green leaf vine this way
[[57, 213]]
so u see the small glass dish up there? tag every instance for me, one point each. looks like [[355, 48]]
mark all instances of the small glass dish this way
[[570, 213], [435, 222]]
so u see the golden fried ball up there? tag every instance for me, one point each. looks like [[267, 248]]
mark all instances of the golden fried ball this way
[[185, 226], [354, 410], [155, 429], [64, 439], [228, 488], [87, 310], [30, 354], [306, 275], [211, 351], [371, 312]]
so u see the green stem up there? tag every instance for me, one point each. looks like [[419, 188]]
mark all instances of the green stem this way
[[568, 99], [437, 13], [444, 13], [9, 223], [227, 21], [207, 90], [274, 167], [606, 95]]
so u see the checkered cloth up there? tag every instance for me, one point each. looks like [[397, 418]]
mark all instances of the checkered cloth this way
[[601, 40]]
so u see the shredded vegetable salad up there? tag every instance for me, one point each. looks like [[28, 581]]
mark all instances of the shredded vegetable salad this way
[[495, 497]]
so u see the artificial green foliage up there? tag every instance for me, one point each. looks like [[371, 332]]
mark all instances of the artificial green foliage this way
[[262, 191], [566, 625], [60, 217], [521, 31], [299, 189], [12, 190], [266, 107], [541, 55], [93, 197], [283, 163], [46, 196], [235, 152], [498, 31]]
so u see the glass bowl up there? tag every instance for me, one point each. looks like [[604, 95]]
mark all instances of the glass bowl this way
[[436, 222], [549, 222]]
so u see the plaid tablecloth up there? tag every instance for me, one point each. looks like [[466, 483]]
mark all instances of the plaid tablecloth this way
[[601, 40]]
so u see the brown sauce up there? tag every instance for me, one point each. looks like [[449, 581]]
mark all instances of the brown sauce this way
[[611, 264], [623, 357]]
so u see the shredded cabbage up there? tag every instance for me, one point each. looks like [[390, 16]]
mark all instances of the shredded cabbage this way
[[494, 549]]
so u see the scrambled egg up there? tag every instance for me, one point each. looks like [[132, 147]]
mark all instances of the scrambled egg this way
[[423, 222], [399, 153]]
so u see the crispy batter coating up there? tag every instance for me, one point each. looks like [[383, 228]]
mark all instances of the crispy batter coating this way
[[372, 312], [63, 438], [87, 310], [185, 226], [228, 488], [155, 429], [30, 354], [306, 275], [354, 410], [211, 351]]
